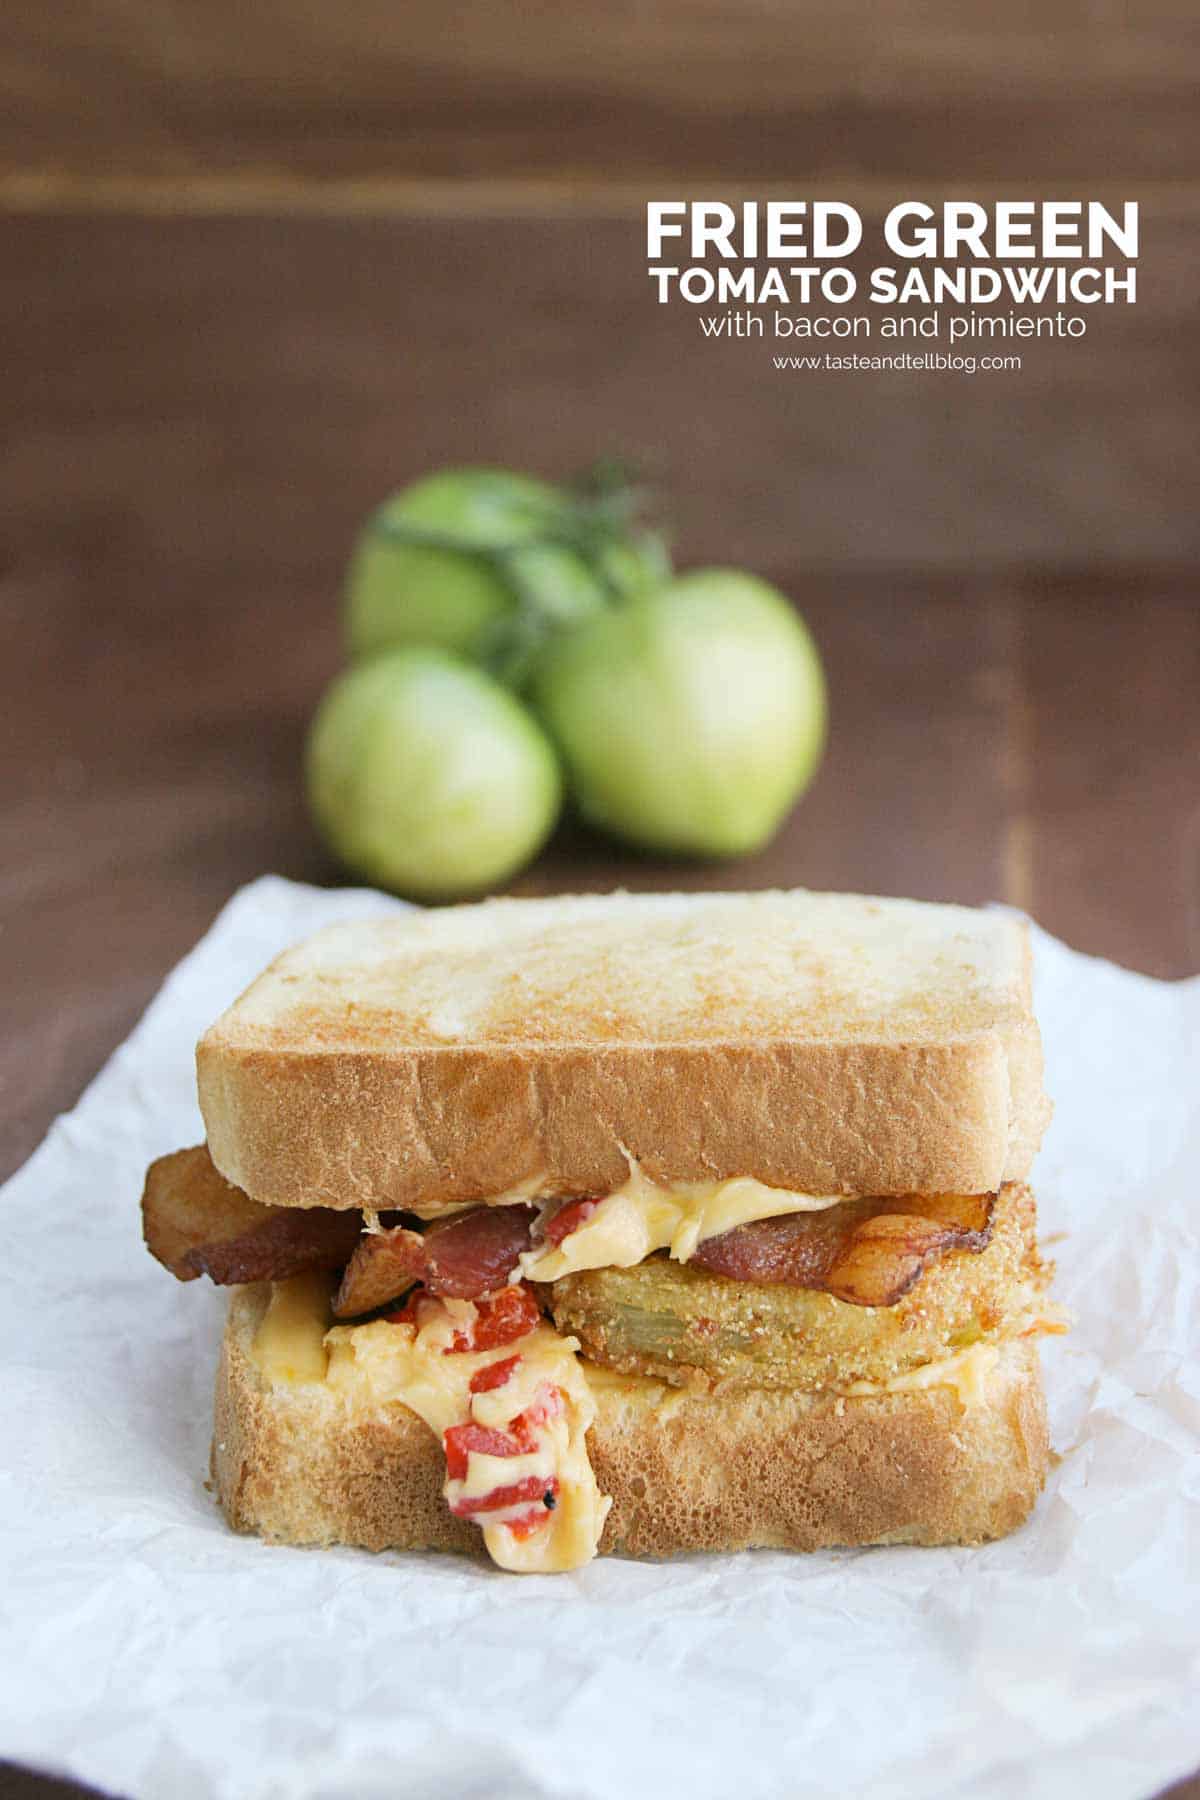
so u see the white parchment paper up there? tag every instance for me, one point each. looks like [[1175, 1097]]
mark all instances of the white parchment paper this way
[[151, 1652]]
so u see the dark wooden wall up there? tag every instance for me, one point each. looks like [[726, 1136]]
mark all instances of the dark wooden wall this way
[[476, 282], [574, 97], [265, 377]]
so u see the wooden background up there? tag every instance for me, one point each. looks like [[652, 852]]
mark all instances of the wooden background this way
[[571, 99], [261, 265]]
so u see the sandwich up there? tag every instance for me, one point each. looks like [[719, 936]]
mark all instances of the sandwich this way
[[628, 1224]]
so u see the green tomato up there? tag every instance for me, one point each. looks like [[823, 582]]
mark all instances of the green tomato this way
[[408, 593], [428, 777], [690, 719], [485, 560]]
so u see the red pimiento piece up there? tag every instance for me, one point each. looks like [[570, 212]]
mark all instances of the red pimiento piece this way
[[507, 1316], [501, 1319], [530, 1522], [550, 1404], [534, 1487], [495, 1375], [567, 1219], [408, 1313], [461, 1440]]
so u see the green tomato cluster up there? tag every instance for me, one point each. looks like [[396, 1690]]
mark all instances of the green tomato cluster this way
[[504, 633]]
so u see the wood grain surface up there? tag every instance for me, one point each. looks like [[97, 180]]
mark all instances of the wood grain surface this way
[[202, 389], [572, 99]]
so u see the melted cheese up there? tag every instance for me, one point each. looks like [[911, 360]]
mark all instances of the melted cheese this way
[[290, 1342], [640, 1217], [967, 1372], [533, 1188], [387, 1364]]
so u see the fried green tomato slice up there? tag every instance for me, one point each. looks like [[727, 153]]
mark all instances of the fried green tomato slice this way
[[687, 1326]]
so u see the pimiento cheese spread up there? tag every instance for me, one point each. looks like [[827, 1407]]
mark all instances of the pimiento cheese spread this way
[[640, 1217], [504, 1392]]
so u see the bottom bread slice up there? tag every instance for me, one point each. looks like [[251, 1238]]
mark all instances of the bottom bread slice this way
[[757, 1469]]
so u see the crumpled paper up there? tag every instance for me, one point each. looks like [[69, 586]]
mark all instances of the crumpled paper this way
[[151, 1652]]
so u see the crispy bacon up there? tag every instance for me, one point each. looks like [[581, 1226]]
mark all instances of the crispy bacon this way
[[385, 1264], [867, 1252], [462, 1257], [197, 1223], [568, 1219]]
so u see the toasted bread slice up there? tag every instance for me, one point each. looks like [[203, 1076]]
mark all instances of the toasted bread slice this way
[[821, 1042], [296, 1463]]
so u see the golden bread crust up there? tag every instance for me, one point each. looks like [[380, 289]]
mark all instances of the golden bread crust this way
[[830, 1044], [412, 1129], [686, 1472]]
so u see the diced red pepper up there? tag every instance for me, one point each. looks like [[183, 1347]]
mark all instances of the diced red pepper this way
[[501, 1319], [461, 1440], [533, 1487], [494, 1375], [550, 1404], [407, 1314], [567, 1219], [528, 1523]]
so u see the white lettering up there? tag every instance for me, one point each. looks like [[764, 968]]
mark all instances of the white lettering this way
[[659, 227]]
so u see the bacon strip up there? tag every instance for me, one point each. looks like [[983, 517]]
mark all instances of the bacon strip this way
[[866, 1252], [197, 1223], [469, 1254]]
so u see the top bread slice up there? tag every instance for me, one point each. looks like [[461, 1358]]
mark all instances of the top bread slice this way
[[827, 1043]]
